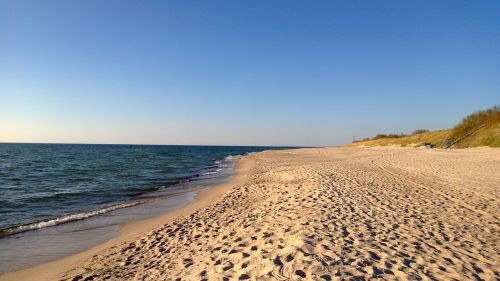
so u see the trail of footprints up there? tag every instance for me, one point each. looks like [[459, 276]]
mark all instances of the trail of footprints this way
[[325, 220]]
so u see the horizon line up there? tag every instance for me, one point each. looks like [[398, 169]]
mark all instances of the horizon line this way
[[155, 144]]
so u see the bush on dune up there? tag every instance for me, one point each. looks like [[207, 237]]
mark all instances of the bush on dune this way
[[420, 131], [391, 136], [475, 120]]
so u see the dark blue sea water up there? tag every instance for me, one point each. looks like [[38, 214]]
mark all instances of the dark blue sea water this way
[[43, 185]]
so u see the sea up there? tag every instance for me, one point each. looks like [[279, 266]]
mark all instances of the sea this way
[[60, 199]]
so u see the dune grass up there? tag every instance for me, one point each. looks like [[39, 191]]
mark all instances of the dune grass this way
[[435, 137], [481, 128]]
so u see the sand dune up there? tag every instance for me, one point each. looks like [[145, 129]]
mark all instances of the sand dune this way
[[329, 214]]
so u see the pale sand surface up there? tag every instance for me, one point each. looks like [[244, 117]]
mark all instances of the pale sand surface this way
[[318, 214]]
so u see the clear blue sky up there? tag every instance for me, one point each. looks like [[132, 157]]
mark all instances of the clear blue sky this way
[[242, 72]]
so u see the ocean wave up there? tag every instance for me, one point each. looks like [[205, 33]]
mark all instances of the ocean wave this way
[[63, 219], [232, 157], [219, 166], [54, 196]]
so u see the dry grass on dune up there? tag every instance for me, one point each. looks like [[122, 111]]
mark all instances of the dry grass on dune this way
[[481, 128], [488, 136], [434, 137]]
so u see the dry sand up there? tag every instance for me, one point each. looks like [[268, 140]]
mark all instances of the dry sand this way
[[318, 214]]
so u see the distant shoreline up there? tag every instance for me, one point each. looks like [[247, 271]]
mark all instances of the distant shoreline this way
[[72, 191]]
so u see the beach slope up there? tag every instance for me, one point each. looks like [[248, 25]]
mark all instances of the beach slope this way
[[321, 214]]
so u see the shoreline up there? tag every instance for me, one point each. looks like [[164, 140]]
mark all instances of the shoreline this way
[[316, 214], [54, 269]]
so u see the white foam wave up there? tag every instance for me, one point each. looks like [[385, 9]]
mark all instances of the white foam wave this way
[[65, 219], [232, 157]]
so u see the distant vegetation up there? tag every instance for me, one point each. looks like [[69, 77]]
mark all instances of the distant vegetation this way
[[381, 136], [481, 128], [420, 131], [475, 120], [394, 136]]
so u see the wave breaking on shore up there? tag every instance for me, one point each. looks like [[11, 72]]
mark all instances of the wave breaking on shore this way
[[63, 219], [219, 167]]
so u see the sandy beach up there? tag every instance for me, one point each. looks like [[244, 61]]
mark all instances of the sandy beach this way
[[317, 214]]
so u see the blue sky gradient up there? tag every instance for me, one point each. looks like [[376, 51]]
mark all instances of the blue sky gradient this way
[[242, 72]]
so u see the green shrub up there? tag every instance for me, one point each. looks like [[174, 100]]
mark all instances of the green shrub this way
[[420, 131]]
